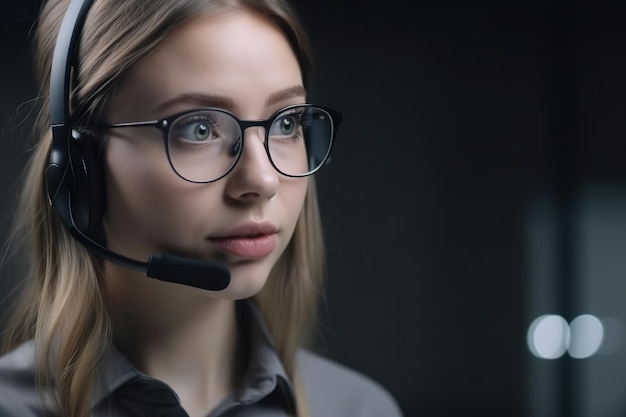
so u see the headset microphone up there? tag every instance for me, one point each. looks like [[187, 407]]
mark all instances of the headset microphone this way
[[74, 182]]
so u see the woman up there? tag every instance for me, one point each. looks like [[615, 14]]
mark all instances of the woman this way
[[184, 139]]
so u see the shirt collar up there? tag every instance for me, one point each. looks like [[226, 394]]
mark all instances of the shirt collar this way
[[265, 374]]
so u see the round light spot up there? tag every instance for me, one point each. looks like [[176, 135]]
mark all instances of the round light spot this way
[[587, 333], [548, 336]]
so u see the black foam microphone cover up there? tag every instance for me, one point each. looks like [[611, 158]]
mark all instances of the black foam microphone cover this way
[[197, 273]]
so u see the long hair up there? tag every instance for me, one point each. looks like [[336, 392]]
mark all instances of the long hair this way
[[61, 305]]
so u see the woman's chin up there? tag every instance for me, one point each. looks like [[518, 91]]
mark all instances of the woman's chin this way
[[241, 288], [245, 282]]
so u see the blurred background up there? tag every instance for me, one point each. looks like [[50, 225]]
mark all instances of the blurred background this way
[[475, 206]]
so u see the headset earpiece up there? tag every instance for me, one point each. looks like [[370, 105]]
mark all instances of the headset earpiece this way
[[87, 185]]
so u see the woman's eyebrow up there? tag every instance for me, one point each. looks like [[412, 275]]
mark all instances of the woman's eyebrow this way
[[197, 99], [223, 102], [286, 94]]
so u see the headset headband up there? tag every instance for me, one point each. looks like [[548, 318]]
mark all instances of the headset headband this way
[[63, 60]]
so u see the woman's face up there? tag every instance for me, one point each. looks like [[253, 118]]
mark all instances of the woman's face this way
[[237, 61]]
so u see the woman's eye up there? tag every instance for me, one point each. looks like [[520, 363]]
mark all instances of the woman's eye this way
[[285, 126], [198, 131]]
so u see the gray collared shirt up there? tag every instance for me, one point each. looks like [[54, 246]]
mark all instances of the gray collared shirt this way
[[121, 391]]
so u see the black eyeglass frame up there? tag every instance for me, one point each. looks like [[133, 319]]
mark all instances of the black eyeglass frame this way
[[165, 124]]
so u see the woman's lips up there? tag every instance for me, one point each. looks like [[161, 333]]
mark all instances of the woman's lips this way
[[247, 246]]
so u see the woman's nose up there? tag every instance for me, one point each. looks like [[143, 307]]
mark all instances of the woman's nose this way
[[253, 178]]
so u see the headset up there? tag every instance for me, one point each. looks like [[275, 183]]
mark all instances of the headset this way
[[74, 175]]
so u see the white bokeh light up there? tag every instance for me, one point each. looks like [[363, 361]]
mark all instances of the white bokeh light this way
[[587, 333], [548, 336]]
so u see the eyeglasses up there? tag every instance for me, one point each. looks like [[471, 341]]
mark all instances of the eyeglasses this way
[[204, 145]]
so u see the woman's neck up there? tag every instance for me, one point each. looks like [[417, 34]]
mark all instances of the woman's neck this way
[[179, 335]]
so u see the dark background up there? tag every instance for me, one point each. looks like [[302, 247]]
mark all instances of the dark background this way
[[458, 117]]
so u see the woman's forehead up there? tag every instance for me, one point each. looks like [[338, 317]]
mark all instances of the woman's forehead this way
[[237, 55]]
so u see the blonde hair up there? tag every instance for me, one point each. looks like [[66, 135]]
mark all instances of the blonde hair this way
[[61, 306]]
